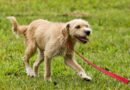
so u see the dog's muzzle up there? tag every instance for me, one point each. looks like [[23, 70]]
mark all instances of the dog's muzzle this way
[[87, 32], [82, 39]]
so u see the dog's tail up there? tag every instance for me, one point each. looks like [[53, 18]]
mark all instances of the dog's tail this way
[[16, 28]]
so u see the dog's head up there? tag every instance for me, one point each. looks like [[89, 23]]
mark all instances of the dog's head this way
[[79, 29]]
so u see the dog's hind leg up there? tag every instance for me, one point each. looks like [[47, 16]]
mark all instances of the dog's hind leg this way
[[47, 59], [39, 60], [30, 50]]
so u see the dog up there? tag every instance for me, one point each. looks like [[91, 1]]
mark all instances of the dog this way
[[52, 39]]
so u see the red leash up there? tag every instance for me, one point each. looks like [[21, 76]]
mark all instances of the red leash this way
[[113, 75]]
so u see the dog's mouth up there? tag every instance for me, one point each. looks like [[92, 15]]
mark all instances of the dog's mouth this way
[[82, 39]]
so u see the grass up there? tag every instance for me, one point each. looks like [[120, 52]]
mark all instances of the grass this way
[[109, 46]]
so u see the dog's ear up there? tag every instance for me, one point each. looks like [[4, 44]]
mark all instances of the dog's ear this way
[[67, 27], [65, 30]]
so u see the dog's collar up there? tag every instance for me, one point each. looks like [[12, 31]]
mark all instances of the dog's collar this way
[[69, 43]]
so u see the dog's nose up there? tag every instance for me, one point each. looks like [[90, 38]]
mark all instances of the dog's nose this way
[[87, 32]]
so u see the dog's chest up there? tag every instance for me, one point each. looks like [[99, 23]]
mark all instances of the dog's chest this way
[[64, 49], [60, 51]]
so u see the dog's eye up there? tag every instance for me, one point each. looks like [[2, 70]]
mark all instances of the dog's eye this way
[[77, 27]]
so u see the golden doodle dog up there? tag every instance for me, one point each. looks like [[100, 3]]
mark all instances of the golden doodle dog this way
[[52, 39]]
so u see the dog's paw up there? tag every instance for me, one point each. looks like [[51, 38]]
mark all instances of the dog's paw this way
[[84, 76], [48, 79], [87, 78], [30, 72]]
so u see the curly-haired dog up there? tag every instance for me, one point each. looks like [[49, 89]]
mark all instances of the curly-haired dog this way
[[51, 39]]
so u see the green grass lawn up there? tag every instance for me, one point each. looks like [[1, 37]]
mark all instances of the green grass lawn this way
[[109, 45]]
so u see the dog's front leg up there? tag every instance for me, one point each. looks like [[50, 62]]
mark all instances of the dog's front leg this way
[[69, 60]]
